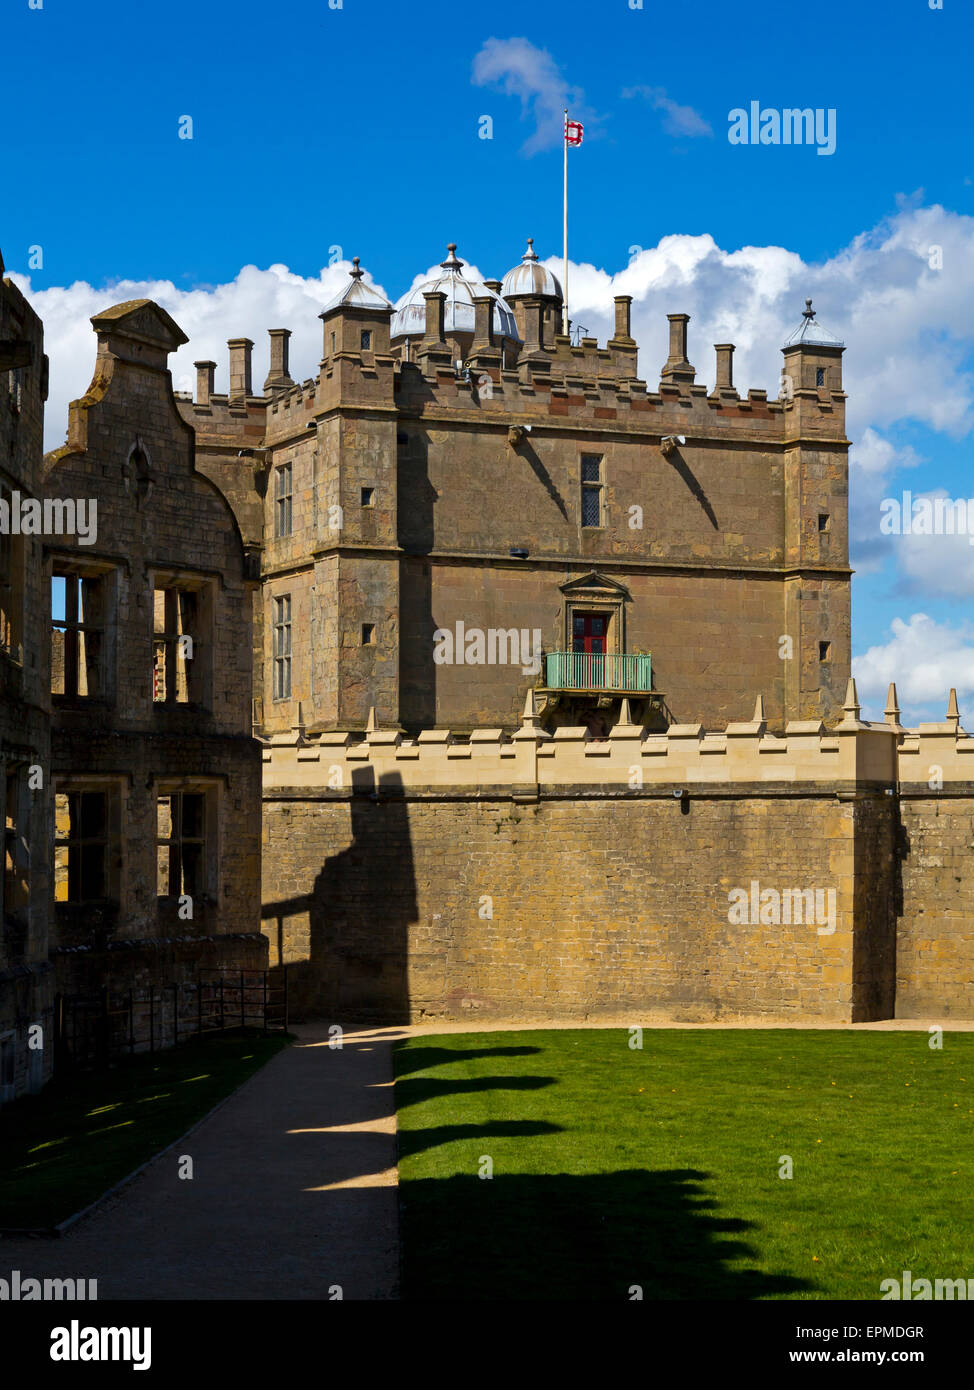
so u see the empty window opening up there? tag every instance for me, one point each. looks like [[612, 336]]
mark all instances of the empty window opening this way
[[77, 633], [368, 497], [16, 844], [11, 590], [81, 835], [368, 634], [181, 844], [824, 651], [282, 505], [175, 643], [282, 647]]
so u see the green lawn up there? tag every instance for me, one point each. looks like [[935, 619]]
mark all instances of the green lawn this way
[[660, 1168], [61, 1149]]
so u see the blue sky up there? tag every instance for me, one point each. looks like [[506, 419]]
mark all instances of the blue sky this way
[[323, 133]]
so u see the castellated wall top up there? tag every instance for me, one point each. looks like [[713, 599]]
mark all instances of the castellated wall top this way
[[854, 754]]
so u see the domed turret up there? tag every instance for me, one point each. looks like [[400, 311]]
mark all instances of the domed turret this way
[[535, 296], [409, 319], [530, 277]]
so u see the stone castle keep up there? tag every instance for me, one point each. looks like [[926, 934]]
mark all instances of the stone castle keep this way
[[432, 677]]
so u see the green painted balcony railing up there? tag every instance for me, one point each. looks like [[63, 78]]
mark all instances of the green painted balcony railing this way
[[622, 672]]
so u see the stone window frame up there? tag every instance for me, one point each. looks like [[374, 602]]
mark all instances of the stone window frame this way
[[13, 580], [199, 677], [112, 787], [17, 839], [282, 661], [284, 500], [588, 486], [593, 594], [70, 566], [211, 789]]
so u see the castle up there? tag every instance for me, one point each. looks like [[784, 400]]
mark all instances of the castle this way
[[430, 677]]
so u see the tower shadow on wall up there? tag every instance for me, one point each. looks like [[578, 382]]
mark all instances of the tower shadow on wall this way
[[360, 911], [416, 527]]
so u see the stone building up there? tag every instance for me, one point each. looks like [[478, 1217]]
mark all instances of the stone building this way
[[462, 505], [497, 612], [26, 974], [156, 773]]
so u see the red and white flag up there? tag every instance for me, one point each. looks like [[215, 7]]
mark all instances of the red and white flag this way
[[573, 132]]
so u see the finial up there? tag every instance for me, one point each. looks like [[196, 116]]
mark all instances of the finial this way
[[451, 262], [625, 714], [298, 725], [851, 705], [355, 272], [809, 312], [892, 711], [953, 713], [529, 719], [370, 724], [530, 254], [758, 715]]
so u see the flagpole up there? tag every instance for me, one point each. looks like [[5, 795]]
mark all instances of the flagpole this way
[[564, 302]]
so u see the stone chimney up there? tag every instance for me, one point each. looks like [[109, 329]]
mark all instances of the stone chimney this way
[[676, 368], [205, 376], [240, 358], [623, 333], [433, 350], [435, 319], [724, 385], [278, 376]]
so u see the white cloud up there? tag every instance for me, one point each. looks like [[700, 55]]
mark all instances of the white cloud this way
[[246, 306], [873, 462], [520, 69], [677, 119], [939, 564], [925, 658]]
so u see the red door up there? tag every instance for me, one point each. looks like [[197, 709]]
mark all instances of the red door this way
[[588, 643]]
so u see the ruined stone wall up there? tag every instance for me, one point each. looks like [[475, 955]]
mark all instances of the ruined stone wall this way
[[26, 978], [162, 526]]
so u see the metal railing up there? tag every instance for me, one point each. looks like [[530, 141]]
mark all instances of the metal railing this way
[[623, 672], [90, 1030]]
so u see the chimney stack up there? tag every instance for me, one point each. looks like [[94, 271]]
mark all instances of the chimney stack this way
[[623, 303], [725, 369], [677, 368], [240, 383], [205, 375], [278, 375], [435, 319]]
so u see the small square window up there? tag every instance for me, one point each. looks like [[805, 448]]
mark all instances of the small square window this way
[[366, 339], [824, 651], [819, 376], [368, 634], [368, 497], [824, 521]]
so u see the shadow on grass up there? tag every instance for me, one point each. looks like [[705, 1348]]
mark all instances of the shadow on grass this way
[[415, 1090], [412, 1059], [561, 1236]]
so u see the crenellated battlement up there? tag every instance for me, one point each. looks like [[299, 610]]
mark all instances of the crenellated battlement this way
[[854, 757]]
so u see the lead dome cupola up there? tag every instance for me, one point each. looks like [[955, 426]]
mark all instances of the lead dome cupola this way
[[409, 319], [530, 277]]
